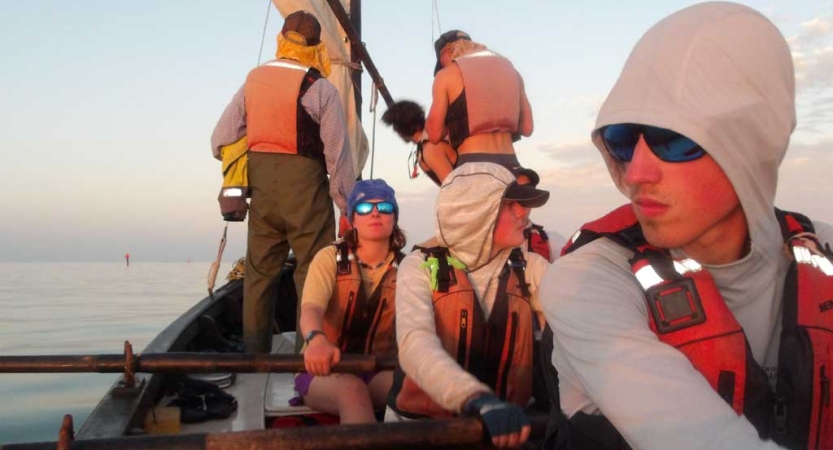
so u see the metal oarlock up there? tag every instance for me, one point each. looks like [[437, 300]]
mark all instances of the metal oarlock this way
[[129, 380], [127, 386]]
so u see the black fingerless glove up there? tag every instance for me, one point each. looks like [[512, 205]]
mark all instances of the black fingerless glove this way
[[498, 417]]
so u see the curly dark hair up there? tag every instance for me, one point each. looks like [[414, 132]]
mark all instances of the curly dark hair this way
[[406, 117], [397, 239]]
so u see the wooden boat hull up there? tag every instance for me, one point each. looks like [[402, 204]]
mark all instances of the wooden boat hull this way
[[121, 411]]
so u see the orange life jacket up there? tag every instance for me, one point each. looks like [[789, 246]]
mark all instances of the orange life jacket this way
[[358, 323], [688, 312], [497, 350], [276, 121], [491, 97]]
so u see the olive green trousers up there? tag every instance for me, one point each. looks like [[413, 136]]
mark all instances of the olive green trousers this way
[[290, 209]]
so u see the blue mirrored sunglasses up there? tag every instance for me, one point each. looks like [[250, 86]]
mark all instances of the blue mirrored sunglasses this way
[[621, 139], [365, 208]]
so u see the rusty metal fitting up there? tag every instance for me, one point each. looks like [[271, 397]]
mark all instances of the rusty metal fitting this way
[[129, 380], [67, 433]]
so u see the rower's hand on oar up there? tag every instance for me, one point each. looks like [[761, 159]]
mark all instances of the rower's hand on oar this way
[[504, 422], [320, 356]]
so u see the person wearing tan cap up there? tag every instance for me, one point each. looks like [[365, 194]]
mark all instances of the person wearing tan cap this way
[[467, 305], [296, 132], [479, 101]]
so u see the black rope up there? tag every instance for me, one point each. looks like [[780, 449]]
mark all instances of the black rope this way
[[435, 15]]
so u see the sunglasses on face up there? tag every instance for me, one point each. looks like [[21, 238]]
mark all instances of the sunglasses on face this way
[[365, 208], [620, 141]]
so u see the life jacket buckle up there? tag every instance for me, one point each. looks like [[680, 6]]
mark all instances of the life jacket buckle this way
[[514, 264], [675, 305], [343, 258], [779, 409]]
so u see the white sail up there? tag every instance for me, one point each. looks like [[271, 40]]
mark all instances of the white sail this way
[[339, 50]]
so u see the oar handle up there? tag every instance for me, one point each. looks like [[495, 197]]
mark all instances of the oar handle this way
[[184, 363], [462, 433]]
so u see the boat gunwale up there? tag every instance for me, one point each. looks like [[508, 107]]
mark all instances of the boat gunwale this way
[[117, 413]]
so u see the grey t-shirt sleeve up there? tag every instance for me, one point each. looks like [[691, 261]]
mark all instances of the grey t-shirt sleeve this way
[[610, 362]]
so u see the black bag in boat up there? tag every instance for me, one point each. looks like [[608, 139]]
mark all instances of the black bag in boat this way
[[199, 401]]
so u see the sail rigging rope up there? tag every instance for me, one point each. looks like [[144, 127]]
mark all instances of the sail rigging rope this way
[[263, 36], [374, 99], [435, 13]]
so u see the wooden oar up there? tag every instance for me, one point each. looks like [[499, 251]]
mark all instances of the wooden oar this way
[[183, 363], [456, 433], [433, 434]]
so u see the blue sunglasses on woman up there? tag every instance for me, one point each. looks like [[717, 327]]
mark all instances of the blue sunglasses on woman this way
[[620, 141], [365, 208]]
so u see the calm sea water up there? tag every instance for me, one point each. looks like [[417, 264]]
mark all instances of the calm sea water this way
[[81, 308]]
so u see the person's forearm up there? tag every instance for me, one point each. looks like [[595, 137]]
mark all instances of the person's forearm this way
[[312, 318], [425, 361], [421, 353]]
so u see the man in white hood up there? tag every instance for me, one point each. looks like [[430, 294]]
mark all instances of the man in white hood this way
[[467, 305], [731, 348]]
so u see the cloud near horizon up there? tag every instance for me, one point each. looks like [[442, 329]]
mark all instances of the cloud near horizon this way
[[812, 50]]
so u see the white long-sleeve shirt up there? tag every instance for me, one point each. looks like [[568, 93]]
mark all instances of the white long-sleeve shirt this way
[[610, 362], [421, 353]]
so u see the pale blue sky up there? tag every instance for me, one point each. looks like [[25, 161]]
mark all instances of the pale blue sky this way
[[107, 108]]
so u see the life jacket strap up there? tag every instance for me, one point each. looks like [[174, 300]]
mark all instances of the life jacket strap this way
[[343, 257], [516, 263]]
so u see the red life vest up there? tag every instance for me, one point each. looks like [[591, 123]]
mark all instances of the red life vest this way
[[537, 241], [688, 312], [491, 97], [358, 323], [276, 122], [497, 350]]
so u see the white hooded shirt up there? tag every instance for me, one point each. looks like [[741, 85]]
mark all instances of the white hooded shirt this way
[[721, 74], [467, 210]]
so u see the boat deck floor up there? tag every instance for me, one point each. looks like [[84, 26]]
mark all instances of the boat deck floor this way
[[259, 396]]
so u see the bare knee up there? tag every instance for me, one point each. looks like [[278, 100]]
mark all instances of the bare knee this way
[[354, 403], [352, 391]]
